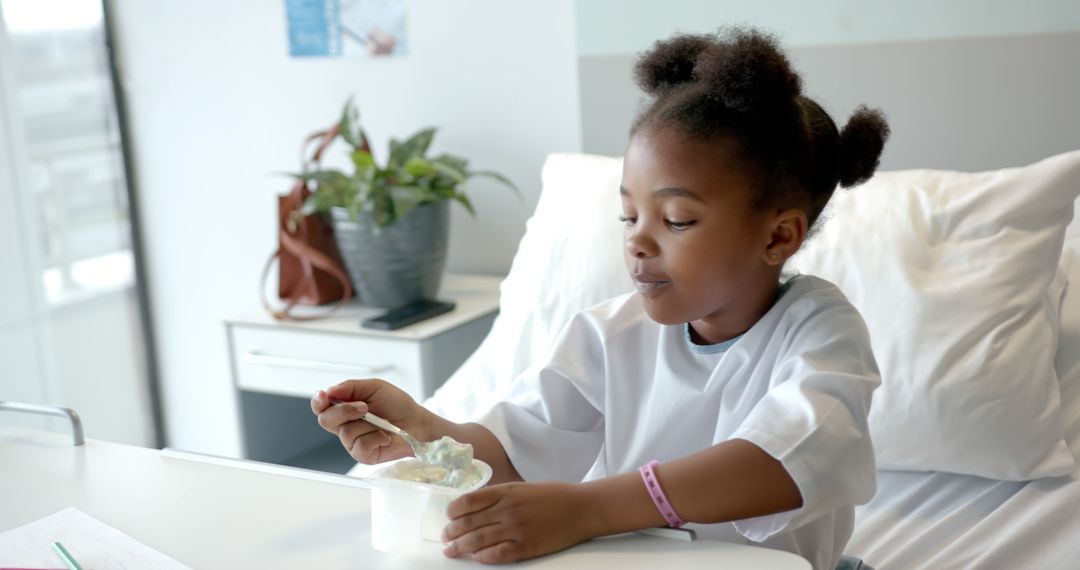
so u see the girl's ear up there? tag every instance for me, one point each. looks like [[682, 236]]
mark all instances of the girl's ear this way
[[787, 232]]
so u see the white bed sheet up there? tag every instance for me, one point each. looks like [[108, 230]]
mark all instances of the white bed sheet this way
[[942, 520]]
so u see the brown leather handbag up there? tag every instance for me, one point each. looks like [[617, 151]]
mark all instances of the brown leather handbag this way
[[310, 270]]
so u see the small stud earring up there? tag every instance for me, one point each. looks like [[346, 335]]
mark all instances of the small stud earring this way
[[772, 256]]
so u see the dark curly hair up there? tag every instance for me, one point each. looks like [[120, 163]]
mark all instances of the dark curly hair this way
[[738, 86]]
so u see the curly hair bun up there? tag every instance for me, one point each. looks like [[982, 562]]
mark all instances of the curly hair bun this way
[[747, 70], [742, 69], [670, 63], [861, 142]]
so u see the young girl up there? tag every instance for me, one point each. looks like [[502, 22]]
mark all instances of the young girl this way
[[715, 394]]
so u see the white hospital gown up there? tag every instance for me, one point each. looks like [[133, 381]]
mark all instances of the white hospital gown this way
[[621, 390]]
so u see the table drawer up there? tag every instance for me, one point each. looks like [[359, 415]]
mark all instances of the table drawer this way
[[299, 363]]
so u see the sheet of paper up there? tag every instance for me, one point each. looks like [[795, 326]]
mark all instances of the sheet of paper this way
[[93, 544]]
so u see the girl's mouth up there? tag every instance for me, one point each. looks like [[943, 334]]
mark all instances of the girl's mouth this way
[[650, 287]]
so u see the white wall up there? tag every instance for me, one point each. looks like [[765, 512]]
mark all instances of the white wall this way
[[608, 27], [217, 106]]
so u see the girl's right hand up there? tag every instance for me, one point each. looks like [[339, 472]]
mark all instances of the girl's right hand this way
[[340, 408]]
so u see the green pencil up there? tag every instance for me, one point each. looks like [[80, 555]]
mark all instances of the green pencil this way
[[65, 556]]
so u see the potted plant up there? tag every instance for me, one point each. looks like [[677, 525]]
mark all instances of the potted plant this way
[[391, 221]]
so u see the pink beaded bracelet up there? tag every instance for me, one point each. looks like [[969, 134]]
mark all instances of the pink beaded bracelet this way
[[652, 485]]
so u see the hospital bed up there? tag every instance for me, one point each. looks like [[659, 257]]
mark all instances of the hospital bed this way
[[967, 105], [569, 259], [947, 520]]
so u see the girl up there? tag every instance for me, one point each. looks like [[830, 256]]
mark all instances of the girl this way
[[714, 394]]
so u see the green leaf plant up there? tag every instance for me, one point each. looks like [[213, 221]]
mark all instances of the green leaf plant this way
[[409, 179]]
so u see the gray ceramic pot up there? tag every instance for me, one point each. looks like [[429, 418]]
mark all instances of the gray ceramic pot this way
[[401, 263]]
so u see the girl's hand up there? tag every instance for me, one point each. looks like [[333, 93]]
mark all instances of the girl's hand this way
[[516, 521], [364, 442]]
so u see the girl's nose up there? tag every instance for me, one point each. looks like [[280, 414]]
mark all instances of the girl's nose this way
[[639, 244]]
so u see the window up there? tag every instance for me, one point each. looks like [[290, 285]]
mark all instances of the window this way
[[63, 112], [73, 330]]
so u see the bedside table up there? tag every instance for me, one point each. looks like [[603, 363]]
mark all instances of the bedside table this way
[[278, 365]]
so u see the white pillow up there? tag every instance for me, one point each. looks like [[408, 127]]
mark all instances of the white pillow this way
[[1068, 361], [954, 274], [569, 259], [1068, 354]]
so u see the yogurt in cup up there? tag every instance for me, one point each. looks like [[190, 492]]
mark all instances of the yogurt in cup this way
[[404, 512]]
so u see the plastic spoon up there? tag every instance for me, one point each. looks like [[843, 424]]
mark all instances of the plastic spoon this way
[[431, 453], [445, 452], [419, 448], [456, 458]]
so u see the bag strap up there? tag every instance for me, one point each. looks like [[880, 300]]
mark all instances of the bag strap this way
[[325, 138], [278, 314], [311, 259]]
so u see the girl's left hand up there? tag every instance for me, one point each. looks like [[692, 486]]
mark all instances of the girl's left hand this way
[[516, 521]]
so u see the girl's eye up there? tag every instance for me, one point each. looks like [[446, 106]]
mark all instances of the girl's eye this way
[[680, 225], [627, 220]]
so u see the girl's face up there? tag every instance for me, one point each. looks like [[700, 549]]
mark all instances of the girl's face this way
[[696, 249]]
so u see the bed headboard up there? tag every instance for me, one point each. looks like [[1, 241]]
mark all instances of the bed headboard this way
[[962, 104]]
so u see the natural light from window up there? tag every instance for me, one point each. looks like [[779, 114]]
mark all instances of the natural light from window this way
[[72, 185], [29, 16]]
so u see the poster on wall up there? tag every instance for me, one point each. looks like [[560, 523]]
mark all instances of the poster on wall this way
[[346, 28]]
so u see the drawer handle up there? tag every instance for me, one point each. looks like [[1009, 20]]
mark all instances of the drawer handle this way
[[269, 360]]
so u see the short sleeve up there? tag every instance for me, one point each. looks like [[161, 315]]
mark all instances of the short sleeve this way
[[551, 422], [813, 419]]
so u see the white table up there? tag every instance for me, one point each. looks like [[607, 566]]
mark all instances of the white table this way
[[236, 515]]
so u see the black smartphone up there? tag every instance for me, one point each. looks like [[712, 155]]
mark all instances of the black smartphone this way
[[408, 314]]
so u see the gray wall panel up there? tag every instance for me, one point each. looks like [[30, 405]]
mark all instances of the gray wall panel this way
[[970, 104]]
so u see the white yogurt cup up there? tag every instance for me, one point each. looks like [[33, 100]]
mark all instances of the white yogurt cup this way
[[405, 512]]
